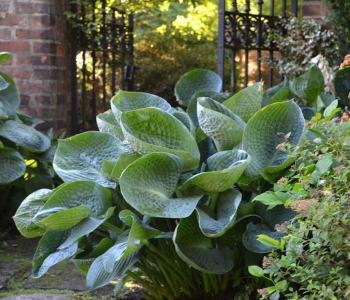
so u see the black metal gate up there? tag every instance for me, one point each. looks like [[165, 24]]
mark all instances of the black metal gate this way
[[243, 33], [102, 59]]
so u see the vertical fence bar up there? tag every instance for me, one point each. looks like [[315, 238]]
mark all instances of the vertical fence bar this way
[[104, 49], [124, 68], [247, 41], [130, 82], [272, 13], [284, 8], [221, 41], [294, 8], [114, 50], [74, 80], [83, 106], [259, 41], [93, 54]]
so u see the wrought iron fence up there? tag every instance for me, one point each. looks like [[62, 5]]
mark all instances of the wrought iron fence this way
[[102, 59], [243, 39]]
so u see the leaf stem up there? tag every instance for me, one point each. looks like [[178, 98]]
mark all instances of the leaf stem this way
[[112, 227], [214, 283], [143, 283], [207, 287], [213, 201]]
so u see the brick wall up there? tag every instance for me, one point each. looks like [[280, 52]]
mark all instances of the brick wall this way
[[36, 33], [314, 9]]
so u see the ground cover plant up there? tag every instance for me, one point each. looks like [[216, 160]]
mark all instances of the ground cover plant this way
[[25, 153], [163, 196]]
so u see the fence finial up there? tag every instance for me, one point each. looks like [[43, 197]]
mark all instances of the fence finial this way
[[234, 6], [247, 6]]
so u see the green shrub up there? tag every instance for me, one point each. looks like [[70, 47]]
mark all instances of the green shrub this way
[[167, 194], [25, 153]]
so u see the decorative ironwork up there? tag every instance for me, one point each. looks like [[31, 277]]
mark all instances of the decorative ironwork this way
[[244, 32], [102, 59]]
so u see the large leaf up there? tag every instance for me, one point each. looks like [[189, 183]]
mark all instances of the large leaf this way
[[12, 165], [152, 130], [26, 119], [47, 253], [309, 85], [226, 210], [3, 83], [276, 93], [148, 185], [81, 157], [246, 102], [271, 126], [107, 123], [3, 113], [91, 198], [124, 160], [10, 94], [198, 250], [196, 80], [128, 101], [218, 122], [4, 56], [26, 212], [225, 168], [25, 136], [342, 86], [250, 238]]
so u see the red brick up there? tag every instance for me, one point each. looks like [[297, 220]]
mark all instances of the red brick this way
[[43, 20], [43, 100], [17, 72], [4, 6], [14, 46], [43, 74], [32, 8], [61, 49], [311, 10], [5, 34], [23, 33], [35, 87], [25, 100], [11, 20], [44, 34], [48, 48]]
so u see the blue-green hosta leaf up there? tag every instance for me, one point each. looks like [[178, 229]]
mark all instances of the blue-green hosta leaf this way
[[194, 81], [26, 212], [246, 102], [148, 185], [185, 119], [3, 83], [226, 210], [107, 123], [12, 165], [225, 168], [128, 101], [205, 145], [342, 86], [92, 198], [309, 85], [218, 122], [271, 126], [276, 93], [250, 238], [86, 226], [271, 173], [4, 56], [25, 136], [28, 120], [81, 157], [98, 275], [150, 130], [124, 160], [47, 253], [198, 250], [3, 113], [10, 94]]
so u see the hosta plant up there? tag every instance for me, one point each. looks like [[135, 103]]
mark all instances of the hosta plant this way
[[25, 153], [166, 193]]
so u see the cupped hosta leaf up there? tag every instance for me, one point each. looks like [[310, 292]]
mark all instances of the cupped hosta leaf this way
[[107, 123], [25, 136], [3, 83], [225, 168], [127, 101], [276, 93], [218, 122], [98, 275], [250, 238], [26, 212], [91, 198], [309, 85], [196, 80], [198, 250], [28, 120], [246, 102], [12, 165], [124, 160], [205, 145], [47, 253], [148, 185], [185, 119], [10, 94], [86, 226], [153, 130], [271, 126], [271, 173], [4, 56], [342, 86], [81, 157], [226, 209]]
